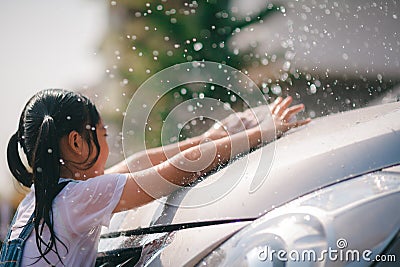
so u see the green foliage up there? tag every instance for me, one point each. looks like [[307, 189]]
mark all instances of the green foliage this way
[[146, 37], [152, 36]]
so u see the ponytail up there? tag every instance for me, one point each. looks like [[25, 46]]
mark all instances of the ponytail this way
[[46, 170], [15, 164], [47, 117]]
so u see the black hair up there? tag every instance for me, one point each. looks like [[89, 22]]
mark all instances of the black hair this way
[[47, 117]]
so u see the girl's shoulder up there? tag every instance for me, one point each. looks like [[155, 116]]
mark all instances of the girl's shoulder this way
[[101, 179], [99, 185]]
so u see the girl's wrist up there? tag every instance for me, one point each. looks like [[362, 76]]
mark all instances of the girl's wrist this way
[[214, 135], [255, 136], [192, 141], [261, 135]]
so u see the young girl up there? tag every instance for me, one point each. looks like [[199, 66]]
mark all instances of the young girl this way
[[64, 139]]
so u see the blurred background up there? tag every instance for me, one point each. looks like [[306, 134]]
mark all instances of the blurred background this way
[[45, 44], [331, 55]]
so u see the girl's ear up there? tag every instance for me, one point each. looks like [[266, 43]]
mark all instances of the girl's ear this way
[[76, 142]]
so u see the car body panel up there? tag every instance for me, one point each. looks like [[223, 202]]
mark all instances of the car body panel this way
[[329, 150], [342, 217], [192, 250]]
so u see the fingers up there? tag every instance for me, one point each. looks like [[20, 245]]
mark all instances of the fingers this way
[[278, 100], [290, 112], [282, 106], [283, 114], [275, 104], [284, 127], [298, 123]]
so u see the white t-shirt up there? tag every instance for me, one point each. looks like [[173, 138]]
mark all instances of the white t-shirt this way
[[80, 210]]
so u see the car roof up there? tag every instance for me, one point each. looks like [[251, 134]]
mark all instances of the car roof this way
[[328, 150]]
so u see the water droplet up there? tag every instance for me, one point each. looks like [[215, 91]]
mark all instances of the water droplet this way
[[276, 89], [197, 46], [313, 89], [286, 66]]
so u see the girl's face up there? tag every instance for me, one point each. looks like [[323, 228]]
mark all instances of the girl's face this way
[[77, 153]]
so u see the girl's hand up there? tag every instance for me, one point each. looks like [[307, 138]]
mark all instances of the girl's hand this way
[[281, 112], [283, 115], [237, 122]]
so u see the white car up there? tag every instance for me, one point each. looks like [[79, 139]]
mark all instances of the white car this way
[[330, 198]]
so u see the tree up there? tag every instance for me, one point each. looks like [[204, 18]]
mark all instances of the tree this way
[[145, 38]]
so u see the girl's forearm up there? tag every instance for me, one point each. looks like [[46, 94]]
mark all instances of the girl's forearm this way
[[187, 166], [198, 160], [148, 158]]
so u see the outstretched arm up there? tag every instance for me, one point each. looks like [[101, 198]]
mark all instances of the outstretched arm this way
[[187, 166], [281, 111], [237, 122], [148, 158]]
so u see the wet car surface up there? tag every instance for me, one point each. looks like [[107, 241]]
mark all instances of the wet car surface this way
[[332, 158]]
